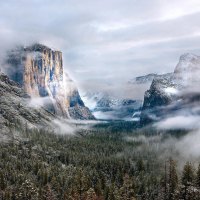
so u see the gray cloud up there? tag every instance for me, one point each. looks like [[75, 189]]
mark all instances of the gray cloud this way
[[180, 122], [111, 40]]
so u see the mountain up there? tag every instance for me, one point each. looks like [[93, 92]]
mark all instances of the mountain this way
[[105, 106], [39, 70], [173, 93], [146, 79], [15, 109], [187, 69], [143, 79]]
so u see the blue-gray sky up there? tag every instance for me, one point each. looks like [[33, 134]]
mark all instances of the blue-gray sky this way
[[106, 40]]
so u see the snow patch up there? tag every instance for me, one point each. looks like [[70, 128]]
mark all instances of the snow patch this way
[[171, 90]]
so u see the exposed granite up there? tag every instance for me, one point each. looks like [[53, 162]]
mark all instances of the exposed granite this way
[[177, 92], [39, 70]]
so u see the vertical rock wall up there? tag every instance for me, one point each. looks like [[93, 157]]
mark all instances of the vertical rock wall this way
[[39, 70]]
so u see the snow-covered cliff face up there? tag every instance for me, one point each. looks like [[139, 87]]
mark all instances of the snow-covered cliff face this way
[[39, 70], [169, 93]]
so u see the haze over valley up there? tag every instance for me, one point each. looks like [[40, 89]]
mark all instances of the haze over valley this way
[[100, 100]]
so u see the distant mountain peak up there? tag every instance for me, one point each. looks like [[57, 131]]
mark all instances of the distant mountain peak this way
[[188, 69], [147, 79], [143, 79], [188, 56], [187, 62]]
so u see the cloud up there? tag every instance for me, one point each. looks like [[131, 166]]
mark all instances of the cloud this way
[[117, 38], [189, 145], [179, 122], [38, 102], [185, 118], [61, 127], [120, 90], [143, 139], [71, 126], [109, 115]]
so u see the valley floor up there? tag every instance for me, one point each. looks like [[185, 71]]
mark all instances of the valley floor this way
[[113, 160]]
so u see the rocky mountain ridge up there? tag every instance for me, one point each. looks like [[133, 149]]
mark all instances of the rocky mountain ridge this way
[[147, 79]]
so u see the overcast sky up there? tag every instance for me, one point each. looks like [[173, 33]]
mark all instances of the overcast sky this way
[[106, 40]]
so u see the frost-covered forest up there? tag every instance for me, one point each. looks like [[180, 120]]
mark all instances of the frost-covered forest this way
[[105, 162]]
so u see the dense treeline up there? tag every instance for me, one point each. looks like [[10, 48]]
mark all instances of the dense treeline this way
[[100, 165]]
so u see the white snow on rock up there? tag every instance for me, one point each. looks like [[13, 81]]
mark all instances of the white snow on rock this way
[[171, 90]]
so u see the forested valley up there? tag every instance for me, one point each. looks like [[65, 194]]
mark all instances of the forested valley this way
[[109, 161]]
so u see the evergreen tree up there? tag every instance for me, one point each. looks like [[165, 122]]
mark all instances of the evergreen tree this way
[[81, 184], [198, 177], [27, 191], [140, 165], [187, 189], [91, 195], [48, 194], [127, 190], [2, 181], [173, 179]]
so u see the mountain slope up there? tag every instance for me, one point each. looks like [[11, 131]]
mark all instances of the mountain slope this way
[[15, 109]]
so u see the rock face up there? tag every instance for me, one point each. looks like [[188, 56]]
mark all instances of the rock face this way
[[15, 109], [162, 92], [39, 70], [173, 92]]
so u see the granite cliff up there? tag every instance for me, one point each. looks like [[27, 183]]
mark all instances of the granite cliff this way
[[175, 92], [39, 70]]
